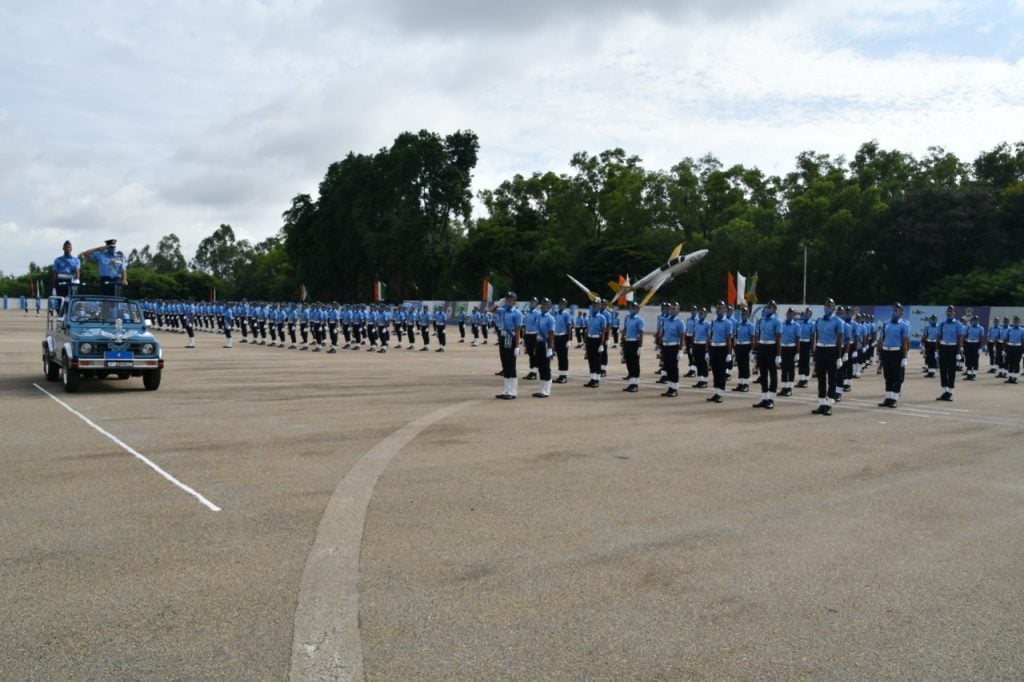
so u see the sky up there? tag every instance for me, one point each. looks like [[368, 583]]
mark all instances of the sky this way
[[135, 120]]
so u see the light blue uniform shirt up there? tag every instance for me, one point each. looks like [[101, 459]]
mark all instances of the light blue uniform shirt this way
[[634, 326], [950, 331], [672, 331], [829, 330], [895, 333]]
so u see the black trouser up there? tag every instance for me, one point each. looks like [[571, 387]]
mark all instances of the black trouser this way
[[110, 286], [788, 364], [476, 331], [593, 354], [425, 333], [439, 330], [670, 362], [632, 358], [742, 354], [483, 330], [187, 323], [227, 330], [804, 362], [947, 365], [542, 360], [718, 365], [768, 373], [332, 328], [892, 370], [384, 334], [529, 341], [562, 351], [825, 363], [1012, 354], [508, 358], [462, 329], [971, 354], [615, 334], [291, 332], [304, 331], [698, 353], [929, 355]]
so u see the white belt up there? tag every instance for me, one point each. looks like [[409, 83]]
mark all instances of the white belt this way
[[719, 345], [1013, 344], [594, 336], [670, 345], [947, 344], [789, 345], [892, 348]]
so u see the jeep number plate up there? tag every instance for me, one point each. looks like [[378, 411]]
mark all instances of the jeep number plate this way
[[118, 358]]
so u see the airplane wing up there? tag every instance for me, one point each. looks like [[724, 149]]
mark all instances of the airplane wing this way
[[592, 295]]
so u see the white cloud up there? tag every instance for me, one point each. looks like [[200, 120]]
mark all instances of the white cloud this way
[[135, 122]]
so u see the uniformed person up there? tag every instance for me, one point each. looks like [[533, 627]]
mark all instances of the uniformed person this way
[[510, 329], [767, 340], [743, 339], [950, 346], [790, 346], [632, 346], [673, 331], [440, 324], [719, 350], [545, 347], [563, 334], [701, 332], [804, 354], [929, 343], [228, 322], [893, 348], [113, 267], [1013, 342], [66, 273], [974, 341], [828, 345], [530, 336], [597, 328]]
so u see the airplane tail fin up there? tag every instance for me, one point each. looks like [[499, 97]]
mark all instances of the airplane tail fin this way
[[616, 287], [676, 251]]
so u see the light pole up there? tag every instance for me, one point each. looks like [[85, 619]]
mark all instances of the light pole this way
[[804, 244]]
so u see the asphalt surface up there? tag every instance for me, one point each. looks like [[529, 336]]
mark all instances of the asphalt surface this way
[[383, 516]]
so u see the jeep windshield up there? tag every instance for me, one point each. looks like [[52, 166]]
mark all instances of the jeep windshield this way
[[104, 312]]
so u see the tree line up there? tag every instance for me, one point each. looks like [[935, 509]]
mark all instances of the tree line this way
[[881, 226]]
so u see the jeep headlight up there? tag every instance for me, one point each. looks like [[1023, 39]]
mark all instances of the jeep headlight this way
[[86, 348], [147, 349]]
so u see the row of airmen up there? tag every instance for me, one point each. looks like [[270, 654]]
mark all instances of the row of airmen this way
[[841, 344], [318, 326]]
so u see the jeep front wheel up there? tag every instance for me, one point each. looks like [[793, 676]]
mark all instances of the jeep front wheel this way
[[72, 377], [151, 380]]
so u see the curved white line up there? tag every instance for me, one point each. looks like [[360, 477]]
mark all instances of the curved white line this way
[[326, 644]]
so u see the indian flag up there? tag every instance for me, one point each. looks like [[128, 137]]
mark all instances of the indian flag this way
[[380, 291], [302, 293], [487, 294]]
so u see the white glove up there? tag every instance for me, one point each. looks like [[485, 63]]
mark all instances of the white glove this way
[[707, 357], [778, 360], [854, 355], [639, 352], [936, 355], [845, 357], [600, 349], [903, 362], [728, 358], [548, 353], [959, 357], [839, 363], [517, 351], [53, 292]]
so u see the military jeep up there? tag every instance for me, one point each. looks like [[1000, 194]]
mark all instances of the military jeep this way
[[100, 337]]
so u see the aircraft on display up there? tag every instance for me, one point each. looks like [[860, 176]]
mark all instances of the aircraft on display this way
[[654, 280]]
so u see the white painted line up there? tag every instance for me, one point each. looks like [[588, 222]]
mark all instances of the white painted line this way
[[209, 505], [326, 644]]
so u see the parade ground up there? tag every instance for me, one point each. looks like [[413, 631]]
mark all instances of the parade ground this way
[[271, 514]]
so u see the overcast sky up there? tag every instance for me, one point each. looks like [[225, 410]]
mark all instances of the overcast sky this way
[[138, 119]]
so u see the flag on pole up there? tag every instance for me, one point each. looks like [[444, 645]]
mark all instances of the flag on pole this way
[[487, 295], [302, 293], [741, 288], [730, 290], [751, 295], [31, 289], [380, 291]]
